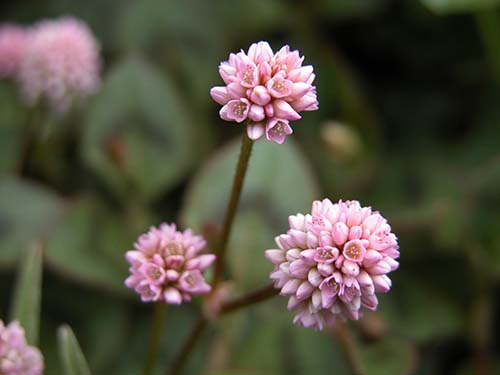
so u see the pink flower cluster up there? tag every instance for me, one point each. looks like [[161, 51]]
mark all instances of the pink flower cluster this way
[[16, 356], [167, 265], [60, 63], [333, 261], [12, 46], [267, 89]]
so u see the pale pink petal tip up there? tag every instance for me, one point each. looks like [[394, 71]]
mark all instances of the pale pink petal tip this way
[[16, 356], [167, 265], [332, 262], [264, 88], [61, 63]]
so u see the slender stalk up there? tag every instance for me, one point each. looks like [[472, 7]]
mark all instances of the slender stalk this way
[[154, 343], [239, 177], [249, 299], [488, 23], [348, 345]]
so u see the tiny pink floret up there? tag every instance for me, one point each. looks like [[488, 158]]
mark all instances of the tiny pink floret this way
[[167, 265], [266, 90], [332, 262], [16, 356]]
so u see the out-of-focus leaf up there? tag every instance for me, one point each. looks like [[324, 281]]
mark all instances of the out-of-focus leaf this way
[[28, 212], [107, 332], [89, 246], [28, 292], [12, 125], [459, 6], [138, 133], [316, 352], [72, 358], [411, 303], [279, 183], [389, 356], [260, 352], [191, 21]]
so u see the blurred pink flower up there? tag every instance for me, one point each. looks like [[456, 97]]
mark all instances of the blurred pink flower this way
[[61, 63], [16, 356], [12, 46], [167, 265], [332, 262], [266, 89]]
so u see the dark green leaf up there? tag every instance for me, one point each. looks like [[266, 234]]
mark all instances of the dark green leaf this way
[[89, 246], [138, 134], [28, 212], [389, 356], [28, 292]]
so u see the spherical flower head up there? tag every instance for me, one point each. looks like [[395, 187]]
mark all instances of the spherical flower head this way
[[267, 90], [12, 46], [332, 262], [168, 265], [61, 64], [16, 356]]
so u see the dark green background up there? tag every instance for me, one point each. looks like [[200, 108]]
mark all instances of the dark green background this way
[[415, 83]]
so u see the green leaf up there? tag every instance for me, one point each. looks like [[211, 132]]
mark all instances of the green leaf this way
[[390, 356], [72, 359], [138, 134], [107, 330], [459, 6], [410, 304], [89, 246], [28, 212], [265, 205], [27, 294]]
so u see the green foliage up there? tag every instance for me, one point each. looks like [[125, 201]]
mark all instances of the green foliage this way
[[138, 132], [88, 246], [72, 359], [28, 212], [416, 81], [265, 203], [27, 293]]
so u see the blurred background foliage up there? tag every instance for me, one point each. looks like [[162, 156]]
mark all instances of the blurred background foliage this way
[[409, 124]]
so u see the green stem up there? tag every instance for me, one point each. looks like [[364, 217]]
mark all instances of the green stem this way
[[249, 299], [349, 347], [488, 24], [239, 177], [154, 343]]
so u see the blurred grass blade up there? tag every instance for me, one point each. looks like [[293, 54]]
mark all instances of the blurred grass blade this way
[[25, 306], [72, 358], [459, 6]]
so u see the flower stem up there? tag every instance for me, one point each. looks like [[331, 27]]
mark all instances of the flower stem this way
[[349, 347], [154, 343], [239, 177], [249, 299]]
